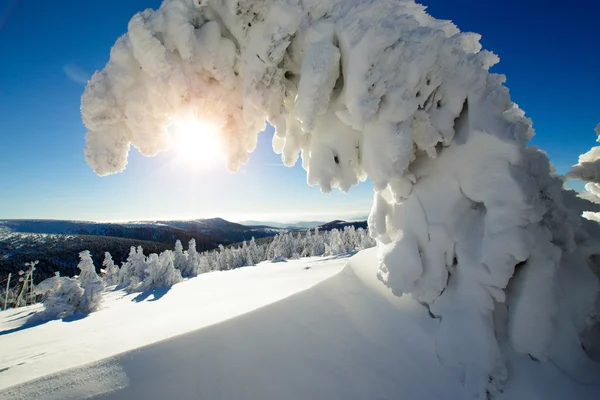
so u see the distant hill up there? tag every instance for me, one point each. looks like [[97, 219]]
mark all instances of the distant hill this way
[[339, 224], [283, 225], [209, 233]]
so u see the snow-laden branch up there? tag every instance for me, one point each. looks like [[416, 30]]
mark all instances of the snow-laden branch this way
[[468, 220], [588, 168]]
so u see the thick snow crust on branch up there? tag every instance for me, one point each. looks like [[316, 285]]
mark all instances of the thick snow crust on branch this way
[[588, 168], [468, 220]]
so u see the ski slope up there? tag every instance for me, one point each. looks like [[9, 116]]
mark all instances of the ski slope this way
[[309, 328]]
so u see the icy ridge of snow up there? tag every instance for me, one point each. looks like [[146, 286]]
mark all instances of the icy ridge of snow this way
[[373, 88]]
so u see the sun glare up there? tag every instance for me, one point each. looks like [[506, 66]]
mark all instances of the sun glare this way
[[196, 142]]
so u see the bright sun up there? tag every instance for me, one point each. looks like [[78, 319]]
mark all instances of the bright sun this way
[[196, 141]]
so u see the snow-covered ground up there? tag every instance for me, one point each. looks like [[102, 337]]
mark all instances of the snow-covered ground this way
[[275, 331], [130, 321]]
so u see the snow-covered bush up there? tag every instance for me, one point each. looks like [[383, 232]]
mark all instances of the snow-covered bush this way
[[48, 285], [110, 272], [378, 89], [66, 297]]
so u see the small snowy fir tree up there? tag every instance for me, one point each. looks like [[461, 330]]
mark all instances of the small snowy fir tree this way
[[91, 283], [248, 260], [336, 243], [318, 243], [204, 264], [179, 257], [190, 267], [110, 272], [87, 274], [132, 272]]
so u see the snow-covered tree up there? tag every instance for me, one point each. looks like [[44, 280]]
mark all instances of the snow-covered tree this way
[[203, 263], [365, 240], [132, 272], [466, 217], [92, 296], [48, 285], [160, 272], [87, 274], [90, 282], [318, 243], [66, 297], [180, 258], [247, 255], [257, 252], [110, 272], [190, 267], [336, 243]]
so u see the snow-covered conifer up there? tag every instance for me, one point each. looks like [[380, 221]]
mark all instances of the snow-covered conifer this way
[[161, 272], [336, 242], [204, 265], [87, 274], [110, 272], [180, 258], [318, 243], [132, 272], [190, 267]]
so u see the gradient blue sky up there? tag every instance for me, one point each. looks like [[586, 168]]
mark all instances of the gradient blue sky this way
[[549, 52]]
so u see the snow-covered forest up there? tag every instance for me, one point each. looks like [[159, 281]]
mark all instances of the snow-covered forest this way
[[64, 296]]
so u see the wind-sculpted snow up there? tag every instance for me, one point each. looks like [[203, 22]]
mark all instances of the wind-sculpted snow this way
[[469, 221]]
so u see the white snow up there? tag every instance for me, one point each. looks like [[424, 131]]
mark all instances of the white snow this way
[[346, 337], [468, 219], [127, 321]]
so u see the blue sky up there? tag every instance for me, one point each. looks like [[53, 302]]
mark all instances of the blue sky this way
[[48, 49]]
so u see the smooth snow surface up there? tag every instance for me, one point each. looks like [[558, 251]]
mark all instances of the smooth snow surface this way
[[347, 337], [127, 322]]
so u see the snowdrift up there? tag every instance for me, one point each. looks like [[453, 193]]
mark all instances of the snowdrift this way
[[128, 321], [348, 337]]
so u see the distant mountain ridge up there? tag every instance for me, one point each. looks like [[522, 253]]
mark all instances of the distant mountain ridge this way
[[302, 225], [339, 224], [208, 233], [284, 225]]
